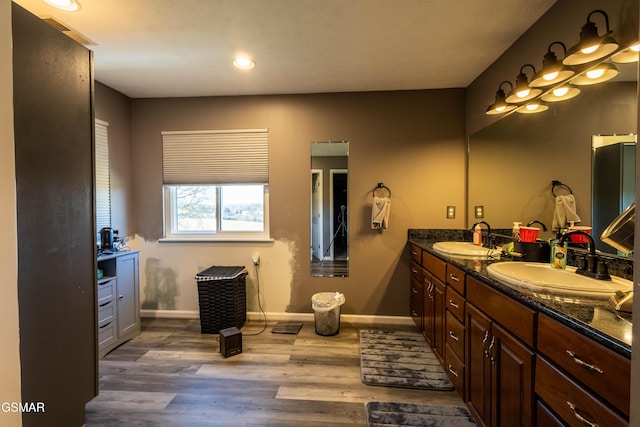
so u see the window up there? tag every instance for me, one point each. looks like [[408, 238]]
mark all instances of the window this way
[[103, 178], [216, 185]]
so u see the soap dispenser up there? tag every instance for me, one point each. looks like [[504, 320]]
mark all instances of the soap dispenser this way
[[477, 235], [515, 232], [558, 254]]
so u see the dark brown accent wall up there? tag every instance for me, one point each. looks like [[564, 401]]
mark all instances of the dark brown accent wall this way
[[53, 120]]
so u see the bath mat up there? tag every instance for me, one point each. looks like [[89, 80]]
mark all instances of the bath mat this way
[[400, 359], [405, 414], [286, 328]]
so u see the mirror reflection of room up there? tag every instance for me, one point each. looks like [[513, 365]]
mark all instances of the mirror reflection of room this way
[[329, 209]]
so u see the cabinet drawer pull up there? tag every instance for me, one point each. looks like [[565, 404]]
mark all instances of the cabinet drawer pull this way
[[453, 336], [452, 277], [453, 371], [453, 304], [105, 325], [413, 313], [491, 358], [105, 304], [413, 270], [583, 363], [414, 290], [414, 253], [580, 417], [484, 344]]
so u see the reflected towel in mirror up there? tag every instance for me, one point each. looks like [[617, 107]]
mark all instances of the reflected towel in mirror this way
[[565, 212], [380, 213]]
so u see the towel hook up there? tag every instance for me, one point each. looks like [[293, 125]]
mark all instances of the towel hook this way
[[381, 185], [555, 184]]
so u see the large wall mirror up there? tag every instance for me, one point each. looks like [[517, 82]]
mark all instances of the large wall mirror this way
[[329, 213], [513, 162]]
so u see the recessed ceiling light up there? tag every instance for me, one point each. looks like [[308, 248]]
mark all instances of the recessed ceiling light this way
[[68, 5], [244, 62]]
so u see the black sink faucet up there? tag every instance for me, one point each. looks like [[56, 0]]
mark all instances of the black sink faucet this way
[[590, 265], [544, 227], [489, 239]]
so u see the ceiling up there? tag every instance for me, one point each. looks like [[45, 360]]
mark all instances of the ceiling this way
[[172, 48]]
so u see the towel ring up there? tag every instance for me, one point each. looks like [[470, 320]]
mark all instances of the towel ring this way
[[555, 184], [381, 185]]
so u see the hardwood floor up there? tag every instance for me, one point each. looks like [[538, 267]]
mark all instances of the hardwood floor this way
[[172, 375]]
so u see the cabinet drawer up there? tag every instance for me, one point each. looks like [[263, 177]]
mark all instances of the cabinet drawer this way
[[106, 314], [604, 371], [416, 311], [435, 265], [455, 303], [456, 278], [545, 417], [415, 253], [570, 401], [416, 271], [106, 334], [455, 369], [106, 292], [417, 292], [515, 317], [455, 335]]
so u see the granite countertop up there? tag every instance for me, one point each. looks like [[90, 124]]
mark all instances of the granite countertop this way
[[591, 317]]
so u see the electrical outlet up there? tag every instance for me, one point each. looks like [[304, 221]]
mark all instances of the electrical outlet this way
[[256, 259], [451, 212], [479, 210]]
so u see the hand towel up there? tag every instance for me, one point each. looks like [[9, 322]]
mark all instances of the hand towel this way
[[380, 213], [565, 212]]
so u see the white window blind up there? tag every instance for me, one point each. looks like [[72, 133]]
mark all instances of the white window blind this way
[[215, 157], [103, 180]]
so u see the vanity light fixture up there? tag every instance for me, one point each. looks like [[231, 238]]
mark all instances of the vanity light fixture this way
[[243, 62], [68, 5], [627, 55], [553, 71], [561, 93], [500, 105], [533, 107], [522, 91], [591, 46], [601, 73]]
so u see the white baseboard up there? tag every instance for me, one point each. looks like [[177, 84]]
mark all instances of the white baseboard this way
[[286, 317]]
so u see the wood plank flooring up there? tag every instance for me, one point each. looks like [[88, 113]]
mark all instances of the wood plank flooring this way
[[172, 375]]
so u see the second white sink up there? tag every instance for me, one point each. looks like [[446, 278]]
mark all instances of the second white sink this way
[[465, 249], [542, 277]]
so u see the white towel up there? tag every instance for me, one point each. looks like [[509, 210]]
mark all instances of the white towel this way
[[565, 212], [380, 213]]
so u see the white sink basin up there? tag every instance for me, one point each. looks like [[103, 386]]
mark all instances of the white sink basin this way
[[465, 249], [541, 277]]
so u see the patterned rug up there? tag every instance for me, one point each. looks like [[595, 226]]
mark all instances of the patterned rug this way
[[405, 414], [400, 359]]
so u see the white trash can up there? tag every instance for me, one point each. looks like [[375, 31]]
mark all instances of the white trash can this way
[[326, 310]]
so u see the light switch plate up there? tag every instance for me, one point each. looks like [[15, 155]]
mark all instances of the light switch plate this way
[[479, 210], [451, 212]]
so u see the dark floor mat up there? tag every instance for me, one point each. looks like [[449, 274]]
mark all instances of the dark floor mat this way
[[286, 328], [382, 414]]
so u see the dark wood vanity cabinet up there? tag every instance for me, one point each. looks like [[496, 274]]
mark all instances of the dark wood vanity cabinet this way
[[499, 361]]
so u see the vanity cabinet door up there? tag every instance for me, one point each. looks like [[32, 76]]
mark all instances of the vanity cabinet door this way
[[127, 298], [478, 331]]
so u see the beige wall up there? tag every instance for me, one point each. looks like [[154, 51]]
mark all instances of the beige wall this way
[[10, 390], [413, 141]]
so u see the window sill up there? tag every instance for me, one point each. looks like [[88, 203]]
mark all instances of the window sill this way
[[212, 240]]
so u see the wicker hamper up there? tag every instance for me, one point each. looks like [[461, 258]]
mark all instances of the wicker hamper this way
[[222, 297]]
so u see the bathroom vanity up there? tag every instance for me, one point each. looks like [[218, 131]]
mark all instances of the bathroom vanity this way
[[519, 357], [118, 300]]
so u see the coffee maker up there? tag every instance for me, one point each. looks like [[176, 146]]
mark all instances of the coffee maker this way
[[106, 238]]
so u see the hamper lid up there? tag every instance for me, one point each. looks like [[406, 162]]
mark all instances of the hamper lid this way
[[221, 273]]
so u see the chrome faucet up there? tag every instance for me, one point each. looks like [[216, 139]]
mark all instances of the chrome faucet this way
[[590, 265], [490, 242]]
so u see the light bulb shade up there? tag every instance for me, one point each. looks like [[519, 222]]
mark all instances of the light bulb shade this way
[[500, 106], [553, 71], [591, 46], [561, 93], [68, 5], [599, 74], [522, 92], [532, 108], [628, 55]]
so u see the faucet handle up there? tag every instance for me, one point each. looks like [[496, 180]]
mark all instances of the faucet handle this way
[[602, 272]]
